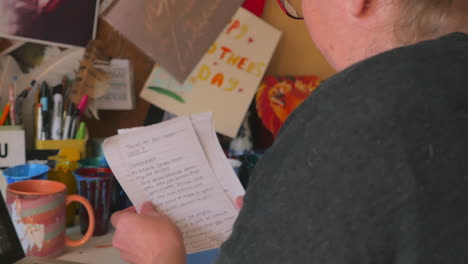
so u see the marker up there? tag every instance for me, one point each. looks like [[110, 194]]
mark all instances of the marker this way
[[4, 116], [39, 122], [82, 105], [81, 133], [68, 121], [56, 130], [45, 111], [74, 122]]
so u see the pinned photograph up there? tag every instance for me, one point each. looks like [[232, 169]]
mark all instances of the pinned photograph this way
[[55, 22]]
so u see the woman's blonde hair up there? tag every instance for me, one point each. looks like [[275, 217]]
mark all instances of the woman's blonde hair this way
[[420, 19]]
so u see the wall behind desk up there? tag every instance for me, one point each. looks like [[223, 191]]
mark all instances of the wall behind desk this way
[[296, 55]]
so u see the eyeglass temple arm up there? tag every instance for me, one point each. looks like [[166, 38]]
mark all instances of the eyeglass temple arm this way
[[286, 11]]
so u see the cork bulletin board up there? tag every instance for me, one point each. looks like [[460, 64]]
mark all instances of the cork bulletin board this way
[[296, 55]]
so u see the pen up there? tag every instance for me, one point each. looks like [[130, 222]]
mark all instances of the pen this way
[[19, 102], [19, 109], [4, 116], [39, 122], [45, 111], [76, 116], [74, 122], [31, 85], [15, 87], [66, 94], [19, 105], [68, 122], [56, 129], [104, 246], [11, 93], [25, 92]]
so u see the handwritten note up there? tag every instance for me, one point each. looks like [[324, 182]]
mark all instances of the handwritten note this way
[[120, 94], [167, 165], [176, 33], [226, 78], [203, 126]]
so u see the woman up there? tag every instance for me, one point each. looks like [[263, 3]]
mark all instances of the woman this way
[[373, 167]]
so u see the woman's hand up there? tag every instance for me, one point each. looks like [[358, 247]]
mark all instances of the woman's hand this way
[[149, 237], [239, 202]]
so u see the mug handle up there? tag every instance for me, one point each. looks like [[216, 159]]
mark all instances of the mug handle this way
[[89, 209]]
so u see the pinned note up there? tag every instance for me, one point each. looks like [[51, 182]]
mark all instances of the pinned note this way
[[120, 95]]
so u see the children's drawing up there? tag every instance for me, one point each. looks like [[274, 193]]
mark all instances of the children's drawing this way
[[226, 78]]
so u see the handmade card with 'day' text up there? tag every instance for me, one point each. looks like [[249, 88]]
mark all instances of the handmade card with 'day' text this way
[[225, 80]]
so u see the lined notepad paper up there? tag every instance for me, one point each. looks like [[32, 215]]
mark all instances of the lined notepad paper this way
[[179, 166]]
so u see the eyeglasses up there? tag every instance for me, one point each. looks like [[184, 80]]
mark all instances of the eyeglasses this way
[[292, 8]]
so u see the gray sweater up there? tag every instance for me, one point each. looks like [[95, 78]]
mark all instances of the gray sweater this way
[[372, 168]]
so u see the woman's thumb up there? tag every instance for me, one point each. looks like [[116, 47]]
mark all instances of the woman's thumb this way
[[149, 209]]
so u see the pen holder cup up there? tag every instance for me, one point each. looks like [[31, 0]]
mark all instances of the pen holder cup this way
[[63, 172], [76, 145], [119, 199], [95, 184]]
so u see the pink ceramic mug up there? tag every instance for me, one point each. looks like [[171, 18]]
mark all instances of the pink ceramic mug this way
[[37, 208]]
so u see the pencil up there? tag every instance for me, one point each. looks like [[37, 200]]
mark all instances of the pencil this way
[[4, 116], [104, 246], [12, 94]]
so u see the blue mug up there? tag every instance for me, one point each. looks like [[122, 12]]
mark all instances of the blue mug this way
[[26, 172]]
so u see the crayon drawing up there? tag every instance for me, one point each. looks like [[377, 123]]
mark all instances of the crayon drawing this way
[[163, 83]]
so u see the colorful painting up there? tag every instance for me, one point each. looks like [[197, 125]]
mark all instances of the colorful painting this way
[[277, 98], [225, 80]]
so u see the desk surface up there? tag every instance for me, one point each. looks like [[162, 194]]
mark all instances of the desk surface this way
[[92, 252]]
